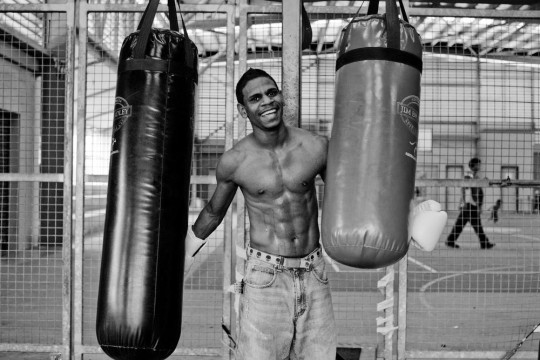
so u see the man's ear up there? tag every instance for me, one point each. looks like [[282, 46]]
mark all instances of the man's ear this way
[[241, 110]]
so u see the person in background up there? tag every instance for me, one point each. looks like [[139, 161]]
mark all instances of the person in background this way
[[472, 199]]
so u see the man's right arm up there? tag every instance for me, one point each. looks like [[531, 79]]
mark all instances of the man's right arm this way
[[212, 214], [208, 220]]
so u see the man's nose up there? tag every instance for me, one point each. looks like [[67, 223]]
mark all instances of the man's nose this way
[[267, 99]]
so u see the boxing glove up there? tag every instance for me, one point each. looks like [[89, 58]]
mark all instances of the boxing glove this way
[[426, 224], [193, 245]]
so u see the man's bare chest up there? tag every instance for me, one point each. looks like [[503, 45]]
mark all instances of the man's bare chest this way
[[270, 174]]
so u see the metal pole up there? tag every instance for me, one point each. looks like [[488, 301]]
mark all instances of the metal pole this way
[[292, 56], [80, 133]]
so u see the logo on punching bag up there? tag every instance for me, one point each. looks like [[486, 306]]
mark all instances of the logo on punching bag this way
[[122, 112], [408, 109]]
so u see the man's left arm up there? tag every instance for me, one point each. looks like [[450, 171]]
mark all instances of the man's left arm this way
[[324, 152]]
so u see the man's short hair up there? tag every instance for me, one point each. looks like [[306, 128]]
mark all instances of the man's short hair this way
[[474, 161], [248, 76]]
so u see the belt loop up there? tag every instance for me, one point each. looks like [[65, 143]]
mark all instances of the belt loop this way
[[279, 266]]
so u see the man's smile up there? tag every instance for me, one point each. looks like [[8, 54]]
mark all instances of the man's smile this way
[[269, 112]]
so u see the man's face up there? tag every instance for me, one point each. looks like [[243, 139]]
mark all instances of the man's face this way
[[476, 167], [263, 103]]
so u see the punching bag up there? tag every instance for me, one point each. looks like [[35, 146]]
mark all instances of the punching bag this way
[[372, 152], [139, 311]]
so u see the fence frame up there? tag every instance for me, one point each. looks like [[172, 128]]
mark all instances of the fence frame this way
[[62, 350]]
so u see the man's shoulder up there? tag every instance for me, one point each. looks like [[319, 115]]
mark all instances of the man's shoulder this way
[[241, 148], [229, 162], [310, 137], [302, 132], [233, 155]]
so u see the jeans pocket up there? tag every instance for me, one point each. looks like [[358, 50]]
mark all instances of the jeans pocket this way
[[319, 271], [259, 276]]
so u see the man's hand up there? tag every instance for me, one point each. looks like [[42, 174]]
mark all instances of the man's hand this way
[[192, 247], [426, 224]]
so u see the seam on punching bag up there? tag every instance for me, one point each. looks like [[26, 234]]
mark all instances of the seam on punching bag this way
[[379, 53], [398, 249], [163, 144], [172, 67]]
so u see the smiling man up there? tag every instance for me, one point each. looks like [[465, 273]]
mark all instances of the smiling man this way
[[286, 308]]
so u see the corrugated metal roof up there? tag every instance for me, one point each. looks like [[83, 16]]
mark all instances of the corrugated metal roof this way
[[481, 36]]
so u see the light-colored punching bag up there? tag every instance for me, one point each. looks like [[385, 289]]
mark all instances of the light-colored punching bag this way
[[372, 152]]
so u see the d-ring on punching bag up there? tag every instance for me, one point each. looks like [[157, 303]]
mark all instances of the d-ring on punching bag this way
[[139, 311], [372, 153]]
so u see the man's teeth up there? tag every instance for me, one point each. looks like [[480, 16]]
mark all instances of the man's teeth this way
[[268, 112]]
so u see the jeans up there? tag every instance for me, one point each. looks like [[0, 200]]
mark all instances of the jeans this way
[[286, 313]]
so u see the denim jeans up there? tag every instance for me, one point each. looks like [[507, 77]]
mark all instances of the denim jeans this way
[[286, 313]]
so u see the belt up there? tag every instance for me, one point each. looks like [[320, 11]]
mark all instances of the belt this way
[[288, 262]]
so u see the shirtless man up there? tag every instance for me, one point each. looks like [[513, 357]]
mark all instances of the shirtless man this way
[[286, 308]]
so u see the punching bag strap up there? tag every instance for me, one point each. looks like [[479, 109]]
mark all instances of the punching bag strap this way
[[145, 25], [403, 12], [139, 61], [392, 20], [374, 9], [307, 32], [393, 51], [379, 53], [166, 66], [187, 43], [392, 25], [173, 20]]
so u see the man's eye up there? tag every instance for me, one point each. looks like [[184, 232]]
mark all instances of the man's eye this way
[[272, 93], [255, 98]]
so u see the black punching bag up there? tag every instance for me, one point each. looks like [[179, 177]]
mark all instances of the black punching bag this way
[[139, 312], [372, 153]]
